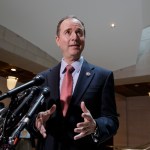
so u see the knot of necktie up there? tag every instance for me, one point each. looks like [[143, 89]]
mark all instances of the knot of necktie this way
[[69, 69]]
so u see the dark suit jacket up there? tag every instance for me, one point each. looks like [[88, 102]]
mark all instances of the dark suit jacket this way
[[95, 86]]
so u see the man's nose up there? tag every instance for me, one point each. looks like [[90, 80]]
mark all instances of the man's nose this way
[[74, 36]]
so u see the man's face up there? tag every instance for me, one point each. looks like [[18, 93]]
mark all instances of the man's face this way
[[71, 38]]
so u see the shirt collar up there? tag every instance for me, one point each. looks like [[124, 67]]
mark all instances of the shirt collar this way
[[77, 65]]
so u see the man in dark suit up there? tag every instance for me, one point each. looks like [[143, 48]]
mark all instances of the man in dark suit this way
[[91, 117]]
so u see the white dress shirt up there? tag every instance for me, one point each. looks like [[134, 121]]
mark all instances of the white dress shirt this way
[[77, 66]]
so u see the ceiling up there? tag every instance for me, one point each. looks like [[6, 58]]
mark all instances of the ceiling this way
[[113, 48]]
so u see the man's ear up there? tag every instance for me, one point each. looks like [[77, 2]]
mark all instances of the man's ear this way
[[57, 41]]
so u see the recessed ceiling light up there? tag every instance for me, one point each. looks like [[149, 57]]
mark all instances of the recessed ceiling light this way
[[13, 69], [112, 25]]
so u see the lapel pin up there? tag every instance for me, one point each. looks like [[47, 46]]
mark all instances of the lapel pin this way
[[88, 73]]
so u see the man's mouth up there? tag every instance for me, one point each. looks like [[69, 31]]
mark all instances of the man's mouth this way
[[74, 45]]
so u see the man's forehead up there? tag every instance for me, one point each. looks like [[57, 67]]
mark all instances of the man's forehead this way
[[71, 21]]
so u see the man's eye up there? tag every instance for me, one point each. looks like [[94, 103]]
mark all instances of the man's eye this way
[[68, 32], [80, 33]]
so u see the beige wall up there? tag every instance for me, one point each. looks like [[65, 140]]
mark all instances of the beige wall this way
[[134, 121], [121, 136]]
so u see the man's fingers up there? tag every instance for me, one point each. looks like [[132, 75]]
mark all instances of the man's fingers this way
[[88, 126], [38, 122], [81, 129], [83, 124], [41, 119], [52, 109], [79, 136], [43, 131], [46, 114]]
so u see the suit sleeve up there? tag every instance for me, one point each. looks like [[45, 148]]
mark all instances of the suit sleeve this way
[[108, 123]]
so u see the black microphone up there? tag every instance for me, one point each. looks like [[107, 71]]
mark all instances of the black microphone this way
[[24, 106], [25, 121], [37, 80], [45, 93], [18, 108], [17, 99]]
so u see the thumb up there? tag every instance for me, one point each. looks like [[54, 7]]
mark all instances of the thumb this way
[[86, 113], [84, 108], [52, 109]]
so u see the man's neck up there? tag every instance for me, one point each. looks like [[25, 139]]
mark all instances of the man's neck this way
[[70, 60]]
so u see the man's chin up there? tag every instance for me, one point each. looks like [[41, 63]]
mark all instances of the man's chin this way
[[75, 50], [76, 53]]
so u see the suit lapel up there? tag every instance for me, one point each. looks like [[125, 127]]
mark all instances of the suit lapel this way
[[84, 80], [53, 81]]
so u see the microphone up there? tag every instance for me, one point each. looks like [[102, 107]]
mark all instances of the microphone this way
[[45, 93], [17, 99], [25, 121], [24, 106], [37, 80]]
